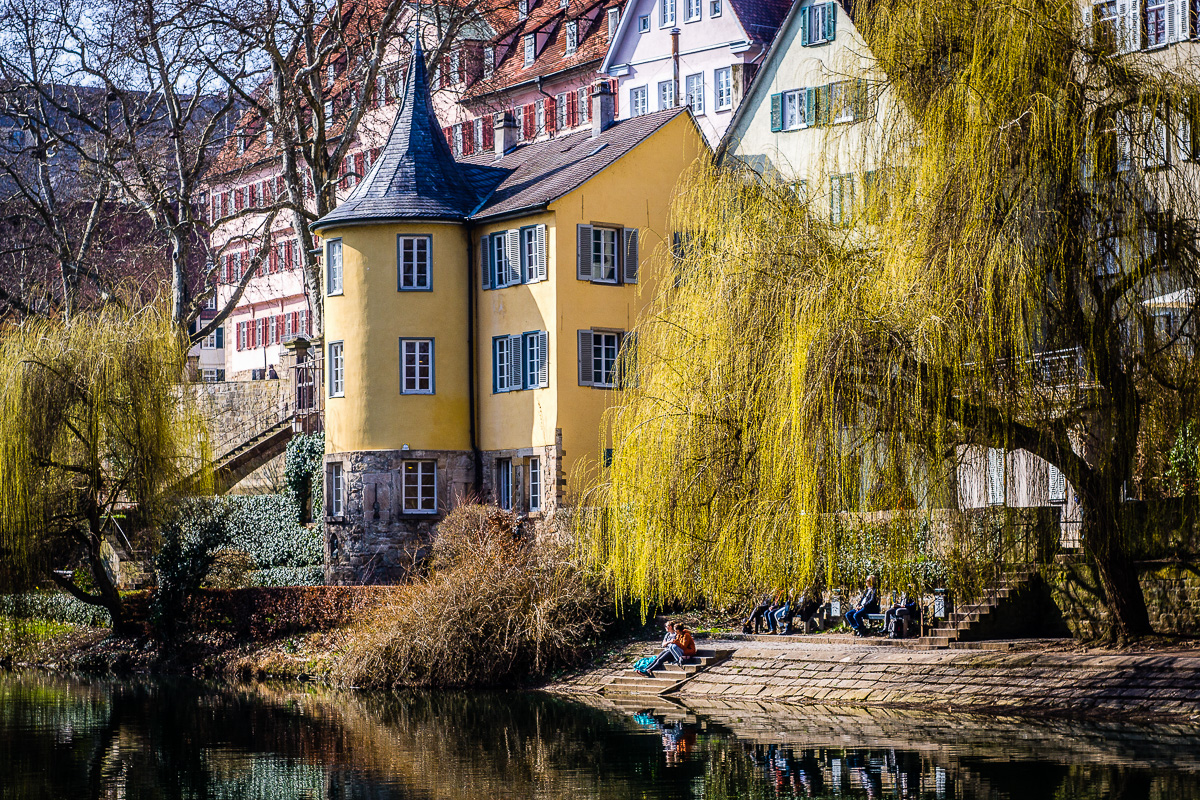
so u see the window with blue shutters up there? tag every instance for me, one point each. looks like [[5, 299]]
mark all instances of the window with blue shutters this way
[[520, 362], [818, 24], [537, 362]]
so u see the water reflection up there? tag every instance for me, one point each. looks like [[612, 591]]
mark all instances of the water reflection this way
[[189, 739]]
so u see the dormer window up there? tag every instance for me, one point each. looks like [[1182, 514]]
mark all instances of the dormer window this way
[[455, 66], [614, 16], [572, 36], [489, 61], [530, 48], [564, 3], [522, 9]]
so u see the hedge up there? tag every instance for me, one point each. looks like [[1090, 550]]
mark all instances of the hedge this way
[[266, 612], [54, 606]]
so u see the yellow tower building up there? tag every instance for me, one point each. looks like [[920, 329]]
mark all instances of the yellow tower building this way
[[474, 314]]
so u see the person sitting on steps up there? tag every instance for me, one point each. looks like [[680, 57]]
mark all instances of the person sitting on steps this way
[[681, 647], [868, 603]]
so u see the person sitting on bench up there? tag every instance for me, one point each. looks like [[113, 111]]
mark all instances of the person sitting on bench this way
[[779, 611], [902, 615], [683, 646], [803, 610], [751, 624], [868, 603]]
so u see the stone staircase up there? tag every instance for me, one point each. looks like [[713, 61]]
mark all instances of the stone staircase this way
[[667, 678], [963, 624], [251, 454]]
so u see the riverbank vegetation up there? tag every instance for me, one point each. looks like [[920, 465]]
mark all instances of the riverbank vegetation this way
[[988, 291]]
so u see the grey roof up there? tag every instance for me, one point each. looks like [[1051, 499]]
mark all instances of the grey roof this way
[[532, 175], [415, 176]]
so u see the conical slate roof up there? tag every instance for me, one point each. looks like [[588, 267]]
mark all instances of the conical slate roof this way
[[415, 176]]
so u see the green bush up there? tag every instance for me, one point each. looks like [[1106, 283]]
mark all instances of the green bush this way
[[303, 466], [54, 606]]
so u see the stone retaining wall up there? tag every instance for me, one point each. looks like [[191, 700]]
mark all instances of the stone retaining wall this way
[[1171, 589]]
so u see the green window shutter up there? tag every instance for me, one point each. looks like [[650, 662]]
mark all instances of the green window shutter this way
[[830, 21], [776, 112], [861, 99], [810, 106], [804, 13]]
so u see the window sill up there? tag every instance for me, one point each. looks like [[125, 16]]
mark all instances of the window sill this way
[[694, 19], [335, 294], [337, 396], [415, 289], [416, 394]]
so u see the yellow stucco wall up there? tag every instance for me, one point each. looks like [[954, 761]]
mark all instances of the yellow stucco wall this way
[[371, 316], [634, 192]]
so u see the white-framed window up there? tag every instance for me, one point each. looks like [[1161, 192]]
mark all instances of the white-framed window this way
[[723, 80], [585, 109], [522, 9], [504, 259], [534, 347], [530, 48], [694, 9], [533, 253], [539, 116], [489, 61], [795, 110], [1156, 23], [841, 198], [1106, 22], [995, 476], [520, 361], [1057, 489], [666, 95], [598, 353], [639, 101], [209, 375], [336, 480], [714, 8], [519, 118], [841, 101], [560, 111], [456, 139], [604, 254], [666, 13], [644, 23], [614, 17], [1157, 138], [504, 483], [337, 369], [818, 24], [506, 364], [416, 366], [694, 88], [414, 263], [477, 130], [418, 487], [535, 484], [333, 266], [572, 37]]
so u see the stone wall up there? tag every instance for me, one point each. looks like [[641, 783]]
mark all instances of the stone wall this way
[[234, 411], [1171, 589]]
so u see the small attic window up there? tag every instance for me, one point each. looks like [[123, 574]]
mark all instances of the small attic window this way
[[522, 9], [572, 36], [530, 48]]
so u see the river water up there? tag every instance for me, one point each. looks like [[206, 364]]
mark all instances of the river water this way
[[93, 738]]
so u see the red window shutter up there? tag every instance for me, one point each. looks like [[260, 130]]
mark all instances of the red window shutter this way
[[280, 187], [278, 328], [572, 110], [551, 114], [273, 265], [530, 121], [489, 133], [612, 85], [468, 138]]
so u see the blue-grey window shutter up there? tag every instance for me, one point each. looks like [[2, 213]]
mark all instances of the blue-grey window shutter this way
[[516, 363], [776, 112], [221, 338], [543, 366], [485, 272], [631, 255], [830, 21], [496, 364], [583, 252], [585, 358], [542, 270], [810, 106], [804, 14], [512, 250]]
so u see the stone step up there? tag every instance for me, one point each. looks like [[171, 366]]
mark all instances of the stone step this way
[[640, 686]]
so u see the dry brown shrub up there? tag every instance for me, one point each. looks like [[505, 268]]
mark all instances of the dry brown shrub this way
[[496, 608]]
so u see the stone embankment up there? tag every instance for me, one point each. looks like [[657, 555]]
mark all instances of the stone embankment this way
[[1030, 677]]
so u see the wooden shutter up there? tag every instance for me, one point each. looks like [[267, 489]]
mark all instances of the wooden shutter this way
[[221, 338], [612, 86], [512, 256], [1058, 485], [489, 133], [516, 363], [626, 370], [1128, 27], [1178, 19], [585, 358], [804, 12], [543, 365], [776, 112], [540, 234], [830, 21], [995, 476], [583, 252], [631, 255], [485, 274], [810, 106], [551, 112]]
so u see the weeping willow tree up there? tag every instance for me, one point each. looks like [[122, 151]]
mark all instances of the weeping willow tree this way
[[1029, 199], [92, 425]]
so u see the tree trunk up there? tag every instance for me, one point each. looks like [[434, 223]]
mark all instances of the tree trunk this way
[[1123, 596]]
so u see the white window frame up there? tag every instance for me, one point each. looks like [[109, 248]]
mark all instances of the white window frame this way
[[814, 19], [666, 13], [418, 263], [614, 18], [572, 37], [522, 9], [714, 8], [1056, 491], [527, 239], [415, 489], [209, 342], [504, 483], [539, 117], [695, 8], [337, 489], [416, 377], [694, 93], [535, 360], [530, 45], [841, 101], [723, 88], [503, 272], [644, 23], [535, 484], [560, 111], [606, 351], [600, 256], [337, 369], [502, 364], [333, 267], [795, 110], [841, 198], [995, 478], [639, 101], [489, 61], [666, 95], [1157, 8]]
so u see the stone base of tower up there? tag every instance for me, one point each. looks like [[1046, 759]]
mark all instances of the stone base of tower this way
[[383, 531]]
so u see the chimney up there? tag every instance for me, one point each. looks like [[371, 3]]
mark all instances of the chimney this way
[[675, 63], [506, 133], [602, 107]]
